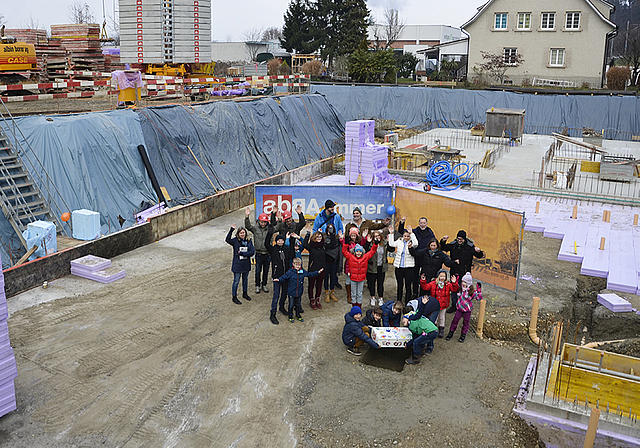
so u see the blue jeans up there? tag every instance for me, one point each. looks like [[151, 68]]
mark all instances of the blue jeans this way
[[433, 316], [236, 280], [420, 341], [279, 295], [356, 292], [262, 264], [294, 302], [331, 275]]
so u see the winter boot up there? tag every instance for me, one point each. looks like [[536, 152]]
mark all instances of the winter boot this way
[[327, 298], [333, 296], [318, 305], [312, 303], [412, 360], [236, 301], [462, 336], [440, 332], [291, 318], [283, 310], [452, 309], [274, 319], [245, 296], [449, 336], [348, 288], [299, 317]]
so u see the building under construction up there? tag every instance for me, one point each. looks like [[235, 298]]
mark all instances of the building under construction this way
[[165, 31]]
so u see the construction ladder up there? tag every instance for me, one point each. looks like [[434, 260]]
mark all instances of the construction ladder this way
[[22, 201]]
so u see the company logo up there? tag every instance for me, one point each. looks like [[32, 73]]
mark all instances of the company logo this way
[[274, 202]]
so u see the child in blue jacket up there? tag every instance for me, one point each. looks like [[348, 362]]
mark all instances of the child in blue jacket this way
[[243, 250], [295, 276], [391, 313], [355, 332]]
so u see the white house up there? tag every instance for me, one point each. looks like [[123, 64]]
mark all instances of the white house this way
[[563, 42]]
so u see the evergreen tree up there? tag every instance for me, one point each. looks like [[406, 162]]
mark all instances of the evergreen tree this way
[[298, 32]]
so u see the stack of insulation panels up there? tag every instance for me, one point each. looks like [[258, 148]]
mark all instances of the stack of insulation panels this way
[[614, 303], [362, 156], [96, 268], [8, 368]]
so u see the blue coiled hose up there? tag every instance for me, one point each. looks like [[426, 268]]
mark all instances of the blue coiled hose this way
[[441, 176]]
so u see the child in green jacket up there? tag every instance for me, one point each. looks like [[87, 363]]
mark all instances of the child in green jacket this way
[[424, 331]]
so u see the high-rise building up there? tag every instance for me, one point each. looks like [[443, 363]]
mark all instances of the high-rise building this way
[[165, 31]]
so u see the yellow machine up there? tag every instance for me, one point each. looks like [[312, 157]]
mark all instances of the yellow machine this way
[[16, 56]]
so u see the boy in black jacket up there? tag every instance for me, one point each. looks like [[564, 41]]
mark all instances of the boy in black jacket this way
[[373, 318], [281, 257]]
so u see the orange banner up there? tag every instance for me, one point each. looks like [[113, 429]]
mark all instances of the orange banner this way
[[497, 232]]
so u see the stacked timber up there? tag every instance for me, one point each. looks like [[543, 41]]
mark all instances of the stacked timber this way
[[82, 42]]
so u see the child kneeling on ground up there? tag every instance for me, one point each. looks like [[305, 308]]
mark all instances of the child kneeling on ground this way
[[295, 276], [373, 317], [464, 305], [355, 333], [424, 331]]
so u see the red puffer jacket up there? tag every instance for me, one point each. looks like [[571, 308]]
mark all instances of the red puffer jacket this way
[[358, 266], [442, 294]]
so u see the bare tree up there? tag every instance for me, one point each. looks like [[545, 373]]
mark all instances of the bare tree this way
[[1, 18], [80, 13], [113, 24], [252, 39], [393, 27], [496, 65], [32, 23], [272, 33], [626, 46]]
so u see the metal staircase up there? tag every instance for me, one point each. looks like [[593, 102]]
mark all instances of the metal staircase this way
[[22, 201]]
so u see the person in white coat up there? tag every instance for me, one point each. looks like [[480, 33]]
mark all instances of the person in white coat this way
[[404, 262]]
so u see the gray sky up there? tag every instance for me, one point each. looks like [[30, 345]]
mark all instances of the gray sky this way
[[230, 20]]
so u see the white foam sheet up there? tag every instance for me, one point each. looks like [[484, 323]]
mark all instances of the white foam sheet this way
[[614, 303], [596, 262], [622, 270], [573, 242]]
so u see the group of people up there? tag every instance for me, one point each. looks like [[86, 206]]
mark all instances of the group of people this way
[[361, 250]]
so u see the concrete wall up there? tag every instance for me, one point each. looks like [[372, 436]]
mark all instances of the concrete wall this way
[[584, 48], [34, 273]]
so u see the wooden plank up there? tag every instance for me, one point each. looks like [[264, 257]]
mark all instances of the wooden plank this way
[[26, 256]]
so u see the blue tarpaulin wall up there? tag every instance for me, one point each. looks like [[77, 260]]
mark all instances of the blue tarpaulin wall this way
[[93, 160], [226, 144], [619, 116]]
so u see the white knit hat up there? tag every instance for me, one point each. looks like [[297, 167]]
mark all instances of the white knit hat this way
[[468, 279]]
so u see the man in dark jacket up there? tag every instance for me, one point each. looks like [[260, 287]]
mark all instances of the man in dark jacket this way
[[285, 224], [262, 254], [355, 333], [424, 234], [461, 250]]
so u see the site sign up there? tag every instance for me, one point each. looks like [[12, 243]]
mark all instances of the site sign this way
[[372, 200]]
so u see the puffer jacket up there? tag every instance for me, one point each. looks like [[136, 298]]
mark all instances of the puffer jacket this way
[[409, 260], [259, 235], [352, 330], [296, 281], [243, 250], [358, 266], [442, 294], [388, 318]]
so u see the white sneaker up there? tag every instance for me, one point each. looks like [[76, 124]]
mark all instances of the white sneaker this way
[[257, 290], [373, 301], [380, 301]]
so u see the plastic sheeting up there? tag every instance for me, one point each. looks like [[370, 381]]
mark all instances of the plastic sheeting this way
[[619, 116], [93, 161], [197, 150]]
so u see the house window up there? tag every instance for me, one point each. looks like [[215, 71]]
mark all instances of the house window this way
[[556, 58], [509, 55], [548, 21], [524, 20], [573, 21], [501, 21]]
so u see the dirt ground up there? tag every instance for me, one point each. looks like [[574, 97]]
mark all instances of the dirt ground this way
[[162, 358]]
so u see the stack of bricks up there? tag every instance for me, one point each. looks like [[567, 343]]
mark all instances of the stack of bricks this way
[[8, 368]]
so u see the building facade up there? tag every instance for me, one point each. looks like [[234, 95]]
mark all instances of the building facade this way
[[415, 37], [562, 42]]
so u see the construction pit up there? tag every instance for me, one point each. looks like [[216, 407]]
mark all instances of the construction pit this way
[[163, 358]]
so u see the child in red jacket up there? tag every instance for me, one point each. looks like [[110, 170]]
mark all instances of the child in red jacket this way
[[441, 288], [358, 262]]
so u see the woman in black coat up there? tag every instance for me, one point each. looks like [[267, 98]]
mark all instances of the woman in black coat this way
[[431, 259], [243, 250], [315, 244]]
